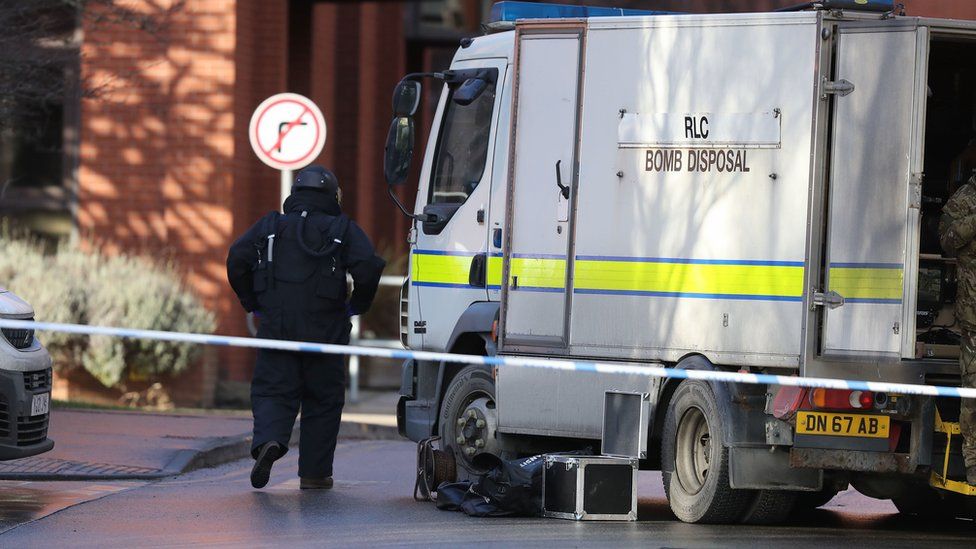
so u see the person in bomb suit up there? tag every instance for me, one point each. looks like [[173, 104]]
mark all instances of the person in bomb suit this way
[[290, 269], [957, 233]]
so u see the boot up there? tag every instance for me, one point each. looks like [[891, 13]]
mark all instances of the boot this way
[[261, 472], [315, 483]]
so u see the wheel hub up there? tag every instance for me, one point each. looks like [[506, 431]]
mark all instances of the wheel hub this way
[[693, 450], [475, 429]]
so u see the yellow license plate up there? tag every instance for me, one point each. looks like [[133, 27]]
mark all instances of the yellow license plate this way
[[844, 425]]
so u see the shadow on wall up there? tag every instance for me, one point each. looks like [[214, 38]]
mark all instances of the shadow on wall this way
[[156, 145]]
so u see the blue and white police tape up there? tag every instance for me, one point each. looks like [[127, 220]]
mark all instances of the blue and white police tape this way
[[504, 361]]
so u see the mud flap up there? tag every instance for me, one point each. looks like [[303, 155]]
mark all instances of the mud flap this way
[[765, 469]]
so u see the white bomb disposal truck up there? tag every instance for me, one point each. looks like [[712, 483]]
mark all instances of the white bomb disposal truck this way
[[749, 192]]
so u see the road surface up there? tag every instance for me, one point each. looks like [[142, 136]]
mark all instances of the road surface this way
[[372, 505]]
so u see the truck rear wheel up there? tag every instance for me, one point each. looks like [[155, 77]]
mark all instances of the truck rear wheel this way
[[770, 507], [806, 501], [468, 420], [695, 463], [928, 503]]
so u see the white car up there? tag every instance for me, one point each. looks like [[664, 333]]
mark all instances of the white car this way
[[25, 385]]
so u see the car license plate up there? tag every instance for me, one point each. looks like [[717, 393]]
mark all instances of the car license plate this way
[[844, 425], [40, 404]]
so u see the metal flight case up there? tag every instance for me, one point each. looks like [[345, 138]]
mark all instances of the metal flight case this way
[[589, 487]]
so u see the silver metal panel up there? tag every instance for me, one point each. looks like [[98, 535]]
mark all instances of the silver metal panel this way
[[626, 417], [761, 469], [560, 403], [676, 261], [915, 192], [534, 289], [872, 161]]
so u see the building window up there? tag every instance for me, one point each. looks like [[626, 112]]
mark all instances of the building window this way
[[38, 115]]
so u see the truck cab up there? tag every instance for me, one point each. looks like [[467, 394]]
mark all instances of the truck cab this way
[[751, 192]]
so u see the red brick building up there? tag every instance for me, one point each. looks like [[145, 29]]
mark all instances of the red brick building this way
[[160, 161]]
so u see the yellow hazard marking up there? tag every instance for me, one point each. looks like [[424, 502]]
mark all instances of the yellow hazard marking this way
[[855, 283], [441, 269], [690, 278], [533, 272], [664, 278]]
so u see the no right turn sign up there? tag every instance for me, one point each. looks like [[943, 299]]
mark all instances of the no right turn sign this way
[[287, 131]]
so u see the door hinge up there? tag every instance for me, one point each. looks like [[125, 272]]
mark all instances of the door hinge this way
[[412, 236], [915, 191], [830, 299], [837, 87]]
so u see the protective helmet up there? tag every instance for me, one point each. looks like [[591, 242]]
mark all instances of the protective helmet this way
[[316, 178]]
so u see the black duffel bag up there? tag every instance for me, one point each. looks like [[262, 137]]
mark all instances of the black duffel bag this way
[[514, 486]]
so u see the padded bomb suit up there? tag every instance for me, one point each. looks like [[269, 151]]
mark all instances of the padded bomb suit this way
[[957, 232], [303, 297]]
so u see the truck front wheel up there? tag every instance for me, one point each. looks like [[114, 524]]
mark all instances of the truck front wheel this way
[[468, 421], [695, 463]]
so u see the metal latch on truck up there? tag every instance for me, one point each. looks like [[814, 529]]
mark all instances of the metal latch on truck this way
[[839, 87], [829, 299]]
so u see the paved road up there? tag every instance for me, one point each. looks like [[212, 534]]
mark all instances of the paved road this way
[[372, 505]]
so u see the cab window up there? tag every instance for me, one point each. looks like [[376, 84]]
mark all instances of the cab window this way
[[462, 148]]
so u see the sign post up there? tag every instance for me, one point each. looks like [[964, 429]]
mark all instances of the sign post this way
[[287, 132]]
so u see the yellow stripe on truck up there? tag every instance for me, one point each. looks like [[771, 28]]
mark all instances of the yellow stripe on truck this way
[[716, 279], [867, 284], [541, 273], [690, 278], [433, 269]]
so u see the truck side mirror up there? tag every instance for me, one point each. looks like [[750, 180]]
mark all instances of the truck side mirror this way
[[471, 89], [399, 150], [406, 98]]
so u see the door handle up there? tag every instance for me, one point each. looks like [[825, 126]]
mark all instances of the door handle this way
[[476, 276], [564, 189]]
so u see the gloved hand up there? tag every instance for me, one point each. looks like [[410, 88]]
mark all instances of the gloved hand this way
[[350, 312]]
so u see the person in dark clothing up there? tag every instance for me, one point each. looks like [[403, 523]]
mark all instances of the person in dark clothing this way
[[290, 270]]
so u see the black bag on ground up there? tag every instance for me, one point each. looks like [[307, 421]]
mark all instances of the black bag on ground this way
[[509, 488], [512, 485], [451, 494], [459, 496]]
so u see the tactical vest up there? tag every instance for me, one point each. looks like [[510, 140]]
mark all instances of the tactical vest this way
[[301, 290]]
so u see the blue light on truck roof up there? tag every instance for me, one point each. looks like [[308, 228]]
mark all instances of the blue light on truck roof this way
[[511, 11]]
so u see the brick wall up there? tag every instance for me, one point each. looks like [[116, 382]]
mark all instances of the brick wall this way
[[157, 157], [956, 9], [260, 59]]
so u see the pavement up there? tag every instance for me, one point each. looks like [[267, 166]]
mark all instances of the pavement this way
[[135, 445], [372, 505]]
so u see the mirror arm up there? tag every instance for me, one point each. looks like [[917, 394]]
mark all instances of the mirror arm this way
[[396, 200], [419, 75]]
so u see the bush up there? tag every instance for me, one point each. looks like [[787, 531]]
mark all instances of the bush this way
[[75, 286]]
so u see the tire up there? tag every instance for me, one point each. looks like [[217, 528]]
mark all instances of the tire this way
[[471, 390], [929, 504], [694, 469], [770, 507], [806, 501]]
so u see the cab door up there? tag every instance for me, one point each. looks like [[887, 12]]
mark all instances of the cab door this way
[[448, 256], [878, 90], [537, 262]]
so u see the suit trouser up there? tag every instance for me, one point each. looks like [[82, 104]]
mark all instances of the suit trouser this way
[[283, 383]]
